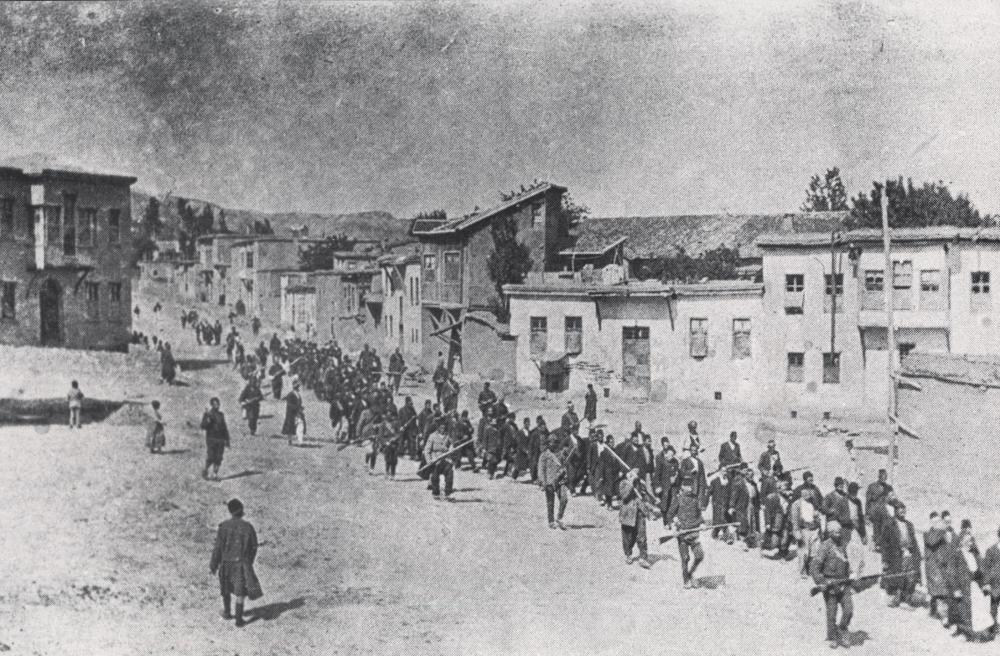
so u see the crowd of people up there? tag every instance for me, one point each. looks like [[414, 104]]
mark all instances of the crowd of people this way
[[754, 503]]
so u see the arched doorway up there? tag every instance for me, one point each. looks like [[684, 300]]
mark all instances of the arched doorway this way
[[50, 313]]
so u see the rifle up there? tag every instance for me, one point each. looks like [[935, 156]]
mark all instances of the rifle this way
[[871, 577], [725, 468], [445, 455], [670, 536]]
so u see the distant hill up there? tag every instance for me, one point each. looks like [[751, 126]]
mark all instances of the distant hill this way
[[376, 226]]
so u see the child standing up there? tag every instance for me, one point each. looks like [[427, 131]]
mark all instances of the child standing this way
[[156, 437], [75, 398]]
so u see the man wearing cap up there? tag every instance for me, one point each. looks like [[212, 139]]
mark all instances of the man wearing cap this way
[[777, 518], [876, 499], [632, 516], [900, 557], [436, 446], [590, 405], [492, 446], [692, 437], [805, 527], [666, 482], [837, 507], [213, 422], [233, 558], [769, 467], [729, 452], [808, 484], [570, 421], [552, 476], [744, 504], [689, 506], [831, 571]]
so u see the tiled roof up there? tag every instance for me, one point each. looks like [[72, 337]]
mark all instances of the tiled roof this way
[[869, 235], [658, 236], [638, 288], [457, 225]]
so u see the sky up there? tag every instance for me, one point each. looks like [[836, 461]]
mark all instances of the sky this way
[[637, 108]]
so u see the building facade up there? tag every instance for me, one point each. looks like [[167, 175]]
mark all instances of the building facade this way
[[65, 274], [697, 342], [214, 262], [254, 279], [401, 289]]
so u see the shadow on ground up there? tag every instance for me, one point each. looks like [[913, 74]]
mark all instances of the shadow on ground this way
[[274, 611], [53, 411]]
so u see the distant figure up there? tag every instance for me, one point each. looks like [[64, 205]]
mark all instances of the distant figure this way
[[168, 367], [156, 437], [295, 420], [250, 399], [590, 405], [233, 557], [213, 422], [255, 325], [396, 368], [75, 398]]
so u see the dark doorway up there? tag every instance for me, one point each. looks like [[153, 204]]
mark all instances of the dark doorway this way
[[241, 308], [50, 313]]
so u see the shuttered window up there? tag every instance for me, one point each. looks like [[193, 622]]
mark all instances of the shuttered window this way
[[699, 338]]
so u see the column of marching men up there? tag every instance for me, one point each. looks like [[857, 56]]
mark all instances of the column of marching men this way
[[754, 504]]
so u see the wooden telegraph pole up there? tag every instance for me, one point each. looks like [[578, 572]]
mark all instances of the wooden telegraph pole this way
[[890, 331]]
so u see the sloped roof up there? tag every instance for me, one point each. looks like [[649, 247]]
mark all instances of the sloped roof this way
[[457, 225], [660, 236]]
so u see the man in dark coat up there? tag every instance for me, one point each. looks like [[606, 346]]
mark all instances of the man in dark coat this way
[[876, 499], [439, 376], [744, 504], [213, 422], [293, 412], [808, 484], [632, 516], [935, 552], [900, 555], [233, 557], [729, 452], [608, 472], [590, 404], [666, 481], [629, 451], [570, 421], [492, 447], [486, 399], [836, 507], [508, 436], [958, 578], [408, 427], [539, 438], [991, 579], [718, 492], [777, 524], [168, 367], [831, 571], [769, 467], [396, 368], [521, 463], [250, 399]]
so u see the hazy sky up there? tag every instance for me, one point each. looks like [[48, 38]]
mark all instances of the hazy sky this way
[[661, 108]]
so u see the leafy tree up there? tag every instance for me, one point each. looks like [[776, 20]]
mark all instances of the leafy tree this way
[[151, 222], [206, 220], [223, 228], [262, 227], [509, 261], [826, 194], [572, 211], [318, 256], [930, 204], [433, 215]]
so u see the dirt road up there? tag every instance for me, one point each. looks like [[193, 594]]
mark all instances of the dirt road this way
[[105, 551]]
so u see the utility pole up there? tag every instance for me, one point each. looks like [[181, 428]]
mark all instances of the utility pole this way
[[890, 333]]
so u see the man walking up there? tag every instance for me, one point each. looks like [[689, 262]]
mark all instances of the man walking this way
[[805, 528], [437, 445], [730, 453], [213, 422], [632, 516], [552, 476], [233, 557], [831, 571], [590, 405], [991, 580], [900, 557], [396, 368], [250, 399]]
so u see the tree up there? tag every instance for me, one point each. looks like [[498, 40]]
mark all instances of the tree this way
[[509, 261], [572, 211], [223, 228], [151, 218], [930, 204], [717, 264], [206, 220], [318, 256], [826, 194]]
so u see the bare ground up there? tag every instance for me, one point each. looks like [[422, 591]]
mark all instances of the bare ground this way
[[105, 547]]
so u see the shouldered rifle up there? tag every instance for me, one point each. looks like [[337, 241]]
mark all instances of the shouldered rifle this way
[[445, 455], [843, 582], [724, 469], [670, 536]]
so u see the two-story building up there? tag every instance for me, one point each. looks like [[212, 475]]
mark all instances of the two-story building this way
[[214, 261], [402, 320], [459, 296], [254, 278], [65, 274], [825, 308]]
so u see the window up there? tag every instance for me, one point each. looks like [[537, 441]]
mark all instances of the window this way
[[539, 335], [741, 339], [699, 338], [53, 224], [412, 292], [452, 267], [931, 295], [537, 218], [980, 291], [574, 334], [831, 367], [834, 292], [114, 226], [87, 227], [93, 301], [115, 292], [417, 281], [902, 284], [69, 225], [795, 284], [873, 296], [430, 267], [248, 259], [8, 293], [7, 216], [796, 367]]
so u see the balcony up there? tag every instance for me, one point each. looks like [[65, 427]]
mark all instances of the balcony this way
[[442, 293]]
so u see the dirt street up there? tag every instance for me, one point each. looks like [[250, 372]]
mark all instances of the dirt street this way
[[105, 547]]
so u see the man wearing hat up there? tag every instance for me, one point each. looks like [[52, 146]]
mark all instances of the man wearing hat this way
[[991, 579], [837, 507], [570, 421], [831, 571], [729, 452], [552, 476], [233, 557], [632, 515], [744, 504], [900, 557], [691, 500], [692, 437], [769, 467], [436, 446]]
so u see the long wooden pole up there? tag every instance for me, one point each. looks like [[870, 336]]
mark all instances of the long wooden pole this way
[[890, 331]]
